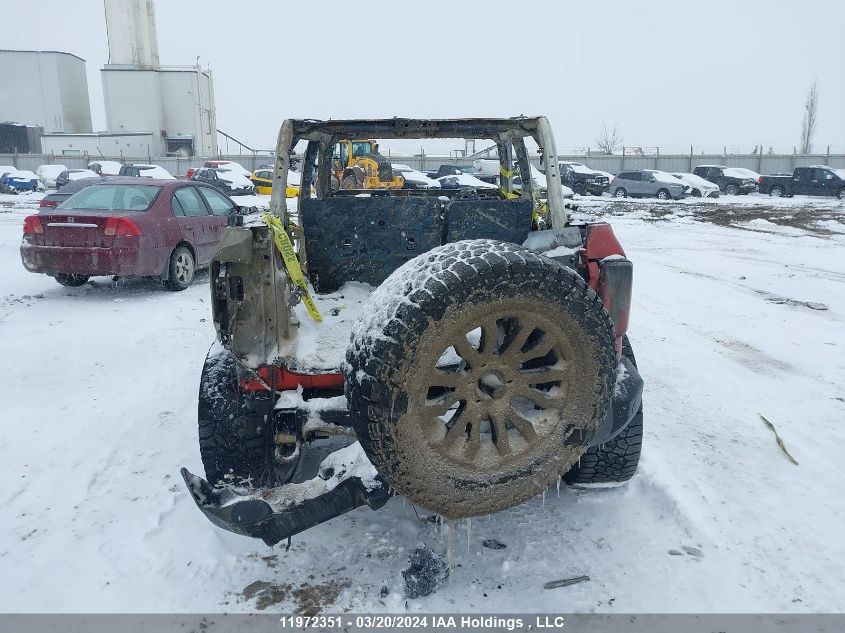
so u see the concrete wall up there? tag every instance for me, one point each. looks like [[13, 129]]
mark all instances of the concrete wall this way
[[130, 146], [47, 89], [612, 164], [765, 164]]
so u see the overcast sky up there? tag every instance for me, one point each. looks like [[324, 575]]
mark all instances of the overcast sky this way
[[669, 72]]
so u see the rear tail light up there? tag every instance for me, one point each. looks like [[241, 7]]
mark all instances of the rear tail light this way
[[32, 225], [48, 204], [760, 180], [122, 227], [615, 283]]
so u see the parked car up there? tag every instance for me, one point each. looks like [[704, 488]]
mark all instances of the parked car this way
[[145, 171], [583, 180], [414, 179], [231, 182], [55, 198], [49, 173], [106, 167], [456, 170], [816, 180], [731, 180], [647, 183], [263, 181], [20, 180], [699, 188], [464, 181], [69, 175], [228, 164], [129, 228]]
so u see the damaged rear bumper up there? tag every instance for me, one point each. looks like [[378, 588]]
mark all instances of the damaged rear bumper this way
[[275, 514]]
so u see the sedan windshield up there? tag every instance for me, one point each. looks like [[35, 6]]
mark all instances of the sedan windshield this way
[[113, 198]]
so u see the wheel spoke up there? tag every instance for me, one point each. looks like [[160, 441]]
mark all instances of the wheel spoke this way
[[542, 376], [522, 424], [489, 337], [465, 350], [442, 407], [440, 378], [474, 441], [542, 400], [514, 348], [500, 430], [459, 428]]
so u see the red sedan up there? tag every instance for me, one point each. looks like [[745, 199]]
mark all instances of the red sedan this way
[[128, 228]]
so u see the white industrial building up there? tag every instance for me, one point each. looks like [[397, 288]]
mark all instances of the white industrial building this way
[[46, 89], [151, 110]]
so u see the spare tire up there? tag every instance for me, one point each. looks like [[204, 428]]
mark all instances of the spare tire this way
[[476, 374]]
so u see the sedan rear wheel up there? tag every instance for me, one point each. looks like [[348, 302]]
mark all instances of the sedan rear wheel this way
[[620, 193], [182, 268], [71, 280], [841, 194], [732, 190]]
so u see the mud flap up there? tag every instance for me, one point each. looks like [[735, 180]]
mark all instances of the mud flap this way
[[248, 515]]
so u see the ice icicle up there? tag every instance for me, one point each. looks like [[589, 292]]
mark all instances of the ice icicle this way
[[558, 486], [450, 553], [469, 531], [544, 500]]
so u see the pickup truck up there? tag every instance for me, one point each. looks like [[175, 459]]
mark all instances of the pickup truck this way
[[582, 180], [731, 180], [816, 180]]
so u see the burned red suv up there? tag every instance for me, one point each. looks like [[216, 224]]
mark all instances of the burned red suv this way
[[128, 228]]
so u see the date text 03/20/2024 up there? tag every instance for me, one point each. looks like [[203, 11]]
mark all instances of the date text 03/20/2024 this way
[[545, 622]]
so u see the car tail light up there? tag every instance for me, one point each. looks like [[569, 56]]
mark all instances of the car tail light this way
[[615, 282], [32, 225], [48, 204], [760, 180], [122, 227]]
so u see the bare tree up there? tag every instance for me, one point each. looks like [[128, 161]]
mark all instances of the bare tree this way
[[609, 140], [808, 125]]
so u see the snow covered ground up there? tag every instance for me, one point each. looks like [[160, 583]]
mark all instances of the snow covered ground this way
[[738, 312]]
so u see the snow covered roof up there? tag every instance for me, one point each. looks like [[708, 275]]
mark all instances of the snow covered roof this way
[[663, 176], [107, 167], [466, 180], [154, 171], [235, 178], [695, 181], [578, 168], [79, 174], [741, 172], [22, 174]]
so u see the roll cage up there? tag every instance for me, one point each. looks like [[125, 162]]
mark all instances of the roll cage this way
[[508, 133]]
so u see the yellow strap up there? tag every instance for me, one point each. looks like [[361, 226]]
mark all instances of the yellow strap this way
[[507, 173], [285, 246]]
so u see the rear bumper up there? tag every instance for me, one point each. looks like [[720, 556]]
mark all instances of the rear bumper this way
[[627, 400], [79, 260], [260, 514]]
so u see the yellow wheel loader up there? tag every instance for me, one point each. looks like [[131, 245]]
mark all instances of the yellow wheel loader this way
[[358, 165]]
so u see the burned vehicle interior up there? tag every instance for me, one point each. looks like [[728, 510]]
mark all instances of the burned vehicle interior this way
[[352, 234]]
